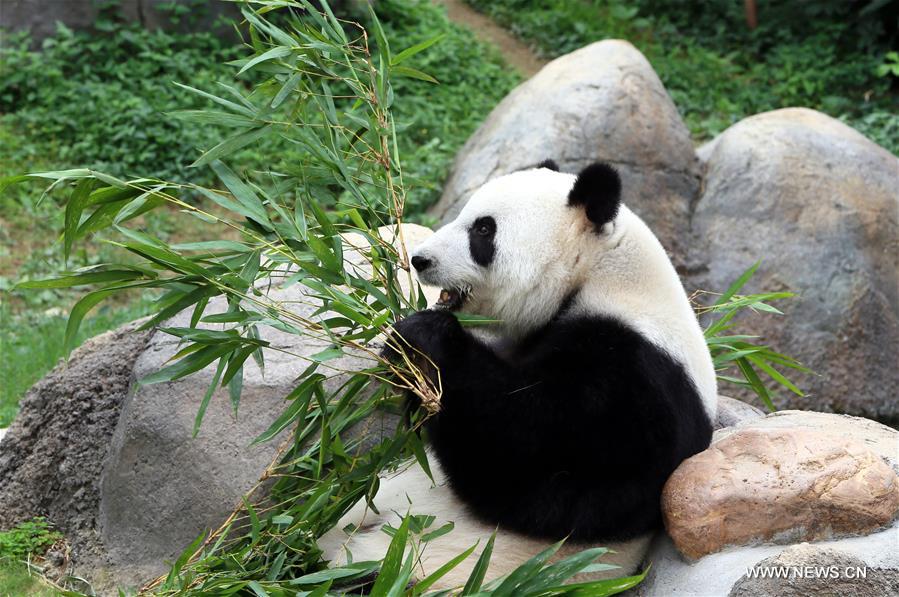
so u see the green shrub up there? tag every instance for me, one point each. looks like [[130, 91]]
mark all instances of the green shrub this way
[[98, 99], [105, 100], [823, 55], [27, 539]]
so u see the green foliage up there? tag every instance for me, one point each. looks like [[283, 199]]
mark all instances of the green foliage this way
[[109, 101], [822, 55], [18, 548], [27, 539], [435, 120], [97, 99], [319, 87], [737, 352]]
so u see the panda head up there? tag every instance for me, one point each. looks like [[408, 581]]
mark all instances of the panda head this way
[[524, 243]]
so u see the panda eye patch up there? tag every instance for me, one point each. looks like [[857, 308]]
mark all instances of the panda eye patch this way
[[480, 240]]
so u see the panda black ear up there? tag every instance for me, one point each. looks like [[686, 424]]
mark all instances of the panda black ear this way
[[549, 165], [598, 190]]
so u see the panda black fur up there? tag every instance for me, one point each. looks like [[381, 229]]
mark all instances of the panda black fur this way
[[569, 416]]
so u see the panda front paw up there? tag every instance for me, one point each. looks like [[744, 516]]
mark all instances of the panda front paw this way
[[436, 335]]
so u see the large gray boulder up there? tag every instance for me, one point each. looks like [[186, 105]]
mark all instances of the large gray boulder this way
[[113, 463], [602, 102], [818, 204]]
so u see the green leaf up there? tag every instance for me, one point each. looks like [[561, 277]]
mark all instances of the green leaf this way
[[476, 578], [738, 284], [439, 532], [330, 574], [286, 89], [301, 396], [204, 403], [597, 588], [413, 73], [390, 568], [93, 277], [518, 577], [775, 374], [230, 145], [561, 571], [412, 51], [274, 53], [425, 583], [189, 364], [215, 118], [74, 209], [81, 308], [220, 101], [757, 386]]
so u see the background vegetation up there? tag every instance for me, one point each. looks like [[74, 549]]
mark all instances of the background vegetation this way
[[100, 100], [830, 55], [20, 547]]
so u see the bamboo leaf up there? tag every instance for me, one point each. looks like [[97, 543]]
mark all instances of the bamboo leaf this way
[[413, 73], [272, 54], [476, 578], [189, 364], [420, 47], [74, 209], [230, 145]]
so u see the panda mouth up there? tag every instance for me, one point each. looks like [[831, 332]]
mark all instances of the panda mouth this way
[[452, 299]]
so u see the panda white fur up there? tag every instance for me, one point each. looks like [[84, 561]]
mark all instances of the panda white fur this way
[[596, 385]]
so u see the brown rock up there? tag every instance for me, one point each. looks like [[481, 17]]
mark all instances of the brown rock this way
[[777, 485]]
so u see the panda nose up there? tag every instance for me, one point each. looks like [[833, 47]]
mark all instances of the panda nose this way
[[420, 263]]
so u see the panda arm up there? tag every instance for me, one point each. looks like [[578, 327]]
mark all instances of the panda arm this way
[[488, 395]]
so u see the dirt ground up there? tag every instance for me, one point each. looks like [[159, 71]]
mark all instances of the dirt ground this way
[[516, 52]]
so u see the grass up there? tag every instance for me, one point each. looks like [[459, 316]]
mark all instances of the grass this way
[[17, 581], [830, 56], [25, 541], [99, 100]]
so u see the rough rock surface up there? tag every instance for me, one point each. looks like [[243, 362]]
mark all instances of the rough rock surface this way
[[834, 573], [602, 102], [779, 485], [817, 202], [732, 411], [880, 439], [52, 455]]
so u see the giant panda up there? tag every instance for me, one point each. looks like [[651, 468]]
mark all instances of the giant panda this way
[[566, 417]]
